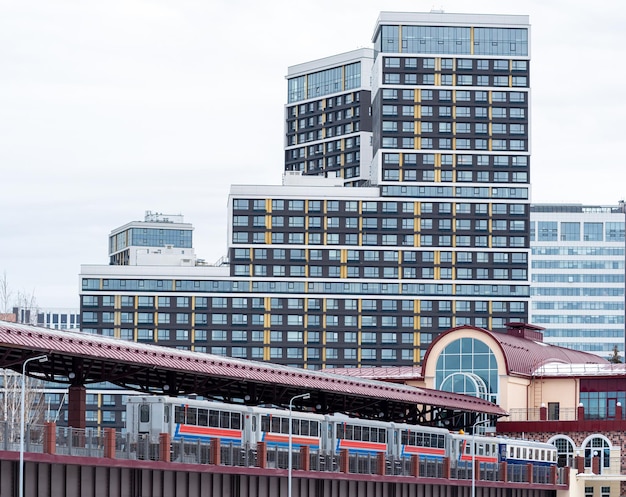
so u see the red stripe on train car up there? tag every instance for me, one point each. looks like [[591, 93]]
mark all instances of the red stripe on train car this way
[[412, 449], [209, 432], [298, 440], [360, 445]]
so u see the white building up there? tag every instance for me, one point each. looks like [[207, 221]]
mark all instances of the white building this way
[[577, 272]]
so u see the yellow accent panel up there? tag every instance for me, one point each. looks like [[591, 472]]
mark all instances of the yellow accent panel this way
[[437, 273], [344, 256], [344, 272], [268, 237], [266, 353], [472, 43], [437, 76]]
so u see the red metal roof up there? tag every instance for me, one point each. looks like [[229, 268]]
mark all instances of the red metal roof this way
[[149, 367], [524, 356], [384, 373]]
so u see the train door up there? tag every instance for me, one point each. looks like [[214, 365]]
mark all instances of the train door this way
[[153, 418], [144, 417], [502, 452]]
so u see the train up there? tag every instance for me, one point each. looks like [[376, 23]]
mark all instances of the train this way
[[246, 426]]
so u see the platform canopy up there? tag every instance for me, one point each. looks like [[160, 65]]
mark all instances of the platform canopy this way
[[81, 359]]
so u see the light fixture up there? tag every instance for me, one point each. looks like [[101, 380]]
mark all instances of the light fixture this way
[[39, 358], [302, 396], [479, 422]]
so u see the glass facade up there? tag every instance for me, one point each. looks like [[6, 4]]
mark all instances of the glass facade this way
[[454, 40], [578, 276], [468, 366]]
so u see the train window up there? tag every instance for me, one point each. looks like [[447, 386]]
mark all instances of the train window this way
[[265, 423], [179, 414], [304, 427], [488, 449], [468, 448], [543, 455], [356, 433], [253, 423], [295, 427], [235, 420], [315, 429], [519, 453], [203, 417], [144, 413], [224, 420], [214, 418], [366, 434], [166, 413], [284, 426], [340, 431], [481, 450], [275, 424], [511, 452], [524, 453], [192, 416]]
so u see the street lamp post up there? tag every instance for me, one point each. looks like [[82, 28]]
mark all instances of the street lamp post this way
[[302, 396], [39, 358], [479, 422]]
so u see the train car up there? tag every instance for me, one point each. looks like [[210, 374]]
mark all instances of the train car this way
[[188, 419], [423, 441], [526, 451], [465, 448], [360, 436], [272, 427]]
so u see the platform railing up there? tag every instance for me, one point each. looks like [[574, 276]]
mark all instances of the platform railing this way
[[107, 443]]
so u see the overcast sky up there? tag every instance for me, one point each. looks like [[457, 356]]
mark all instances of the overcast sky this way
[[111, 108]]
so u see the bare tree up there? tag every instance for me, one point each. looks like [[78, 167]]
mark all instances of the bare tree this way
[[25, 306], [11, 402]]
